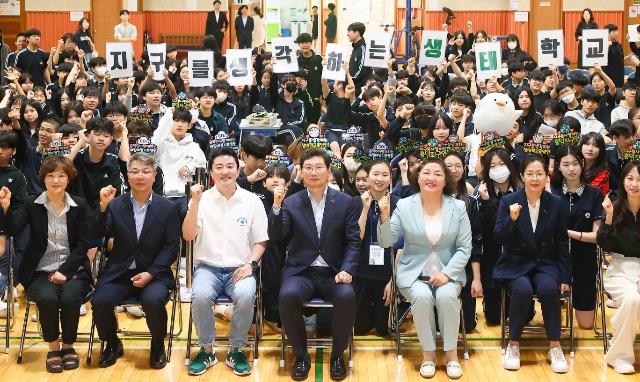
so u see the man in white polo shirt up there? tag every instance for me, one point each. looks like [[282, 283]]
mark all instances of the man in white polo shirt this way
[[230, 232]]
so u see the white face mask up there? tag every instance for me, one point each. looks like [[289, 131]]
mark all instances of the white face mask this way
[[221, 97], [505, 72], [172, 69], [568, 98], [350, 164], [499, 174], [551, 122], [101, 71], [512, 45]]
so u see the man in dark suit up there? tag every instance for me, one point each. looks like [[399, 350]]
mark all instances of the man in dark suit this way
[[146, 231], [217, 23], [322, 260], [244, 28], [332, 24]]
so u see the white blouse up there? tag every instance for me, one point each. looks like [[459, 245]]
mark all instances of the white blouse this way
[[534, 211], [433, 227]]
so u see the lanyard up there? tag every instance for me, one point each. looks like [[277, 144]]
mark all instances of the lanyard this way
[[373, 217]]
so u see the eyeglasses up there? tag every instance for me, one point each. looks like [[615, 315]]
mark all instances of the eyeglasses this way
[[47, 131], [531, 175], [310, 169], [145, 173]]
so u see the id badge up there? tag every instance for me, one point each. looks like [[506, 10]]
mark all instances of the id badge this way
[[376, 255]]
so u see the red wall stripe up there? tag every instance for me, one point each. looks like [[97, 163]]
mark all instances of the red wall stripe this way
[[53, 26], [571, 21]]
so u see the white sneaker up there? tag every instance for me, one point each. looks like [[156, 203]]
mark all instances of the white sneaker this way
[[611, 304], [558, 362], [428, 369], [83, 309], [3, 308], [135, 311], [34, 318], [120, 308], [511, 360], [624, 368]]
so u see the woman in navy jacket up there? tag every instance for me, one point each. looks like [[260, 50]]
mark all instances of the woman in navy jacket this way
[[532, 231]]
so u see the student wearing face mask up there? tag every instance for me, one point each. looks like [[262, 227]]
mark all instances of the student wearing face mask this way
[[513, 50], [290, 110], [568, 96], [422, 113], [224, 107], [350, 168]]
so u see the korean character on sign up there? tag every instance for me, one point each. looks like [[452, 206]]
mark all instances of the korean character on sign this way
[[200, 69], [283, 52], [116, 61], [334, 61], [432, 48], [550, 46], [376, 51], [239, 67], [595, 51]]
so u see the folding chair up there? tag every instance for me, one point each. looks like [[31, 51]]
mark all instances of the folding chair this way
[[132, 301], [395, 316], [323, 343], [529, 329], [8, 291]]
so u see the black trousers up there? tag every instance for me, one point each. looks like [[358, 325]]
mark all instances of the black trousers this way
[[272, 263], [59, 305], [219, 36], [372, 313], [317, 281], [153, 297], [244, 44]]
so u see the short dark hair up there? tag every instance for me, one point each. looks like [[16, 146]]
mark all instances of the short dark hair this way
[[331, 6], [57, 163], [402, 74], [450, 184], [467, 58], [537, 75], [217, 1], [221, 85], [534, 158], [611, 27], [115, 107], [258, 146], [95, 61], [69, 36], [182, 114], [357, 27], [122, 12], [591, 95], [579, 79], [90, 91], [54, 121], [8, 139], [370, 94], [304, 37], [278, 170], [149, 86], [100, 125], [315, 6], [457, 82], [65, 67], [140, 128], [68, 129], [207, 91], [629, 85], [564, 84], [32, 32], [569, 121], [315, 152], [622, 128], [463, 98], [171, 48], [225, 151], [515, 67]]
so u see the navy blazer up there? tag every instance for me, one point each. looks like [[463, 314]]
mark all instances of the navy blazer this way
[[244, 32], [339, 242], [154, 252], [523, 250]]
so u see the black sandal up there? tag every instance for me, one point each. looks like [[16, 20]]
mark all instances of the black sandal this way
[[54, 366], [71, 362]]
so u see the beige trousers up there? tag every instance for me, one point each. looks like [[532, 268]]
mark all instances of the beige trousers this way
[[621, 281]]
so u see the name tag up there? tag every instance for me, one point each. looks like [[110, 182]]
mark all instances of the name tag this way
[[376, 255]]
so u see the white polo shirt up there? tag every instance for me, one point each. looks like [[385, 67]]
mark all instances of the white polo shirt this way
[[228, 229]]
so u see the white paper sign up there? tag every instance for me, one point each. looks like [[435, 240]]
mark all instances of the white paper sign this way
[[550, 48], [434, 45], [157, 59], [488, 60], [521, 17], [632, 30], [239, 66], [120, 59], [378, 44], [633, 11], [76, 16], [201, 66], [284, 51], [595, 47], [336, 55]]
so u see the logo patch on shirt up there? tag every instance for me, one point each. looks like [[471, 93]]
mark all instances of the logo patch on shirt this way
[[10, 180], [242, 222], [587, 215]]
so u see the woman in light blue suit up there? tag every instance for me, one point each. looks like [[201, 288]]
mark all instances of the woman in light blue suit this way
[[437, 247]]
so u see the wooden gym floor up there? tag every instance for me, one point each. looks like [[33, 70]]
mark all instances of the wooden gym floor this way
[[374, 358]]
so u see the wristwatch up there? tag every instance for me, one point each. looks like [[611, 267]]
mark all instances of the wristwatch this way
[[254, 265]]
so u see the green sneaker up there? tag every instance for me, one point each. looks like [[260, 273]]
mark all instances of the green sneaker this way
[[201, 362], [238, 361]]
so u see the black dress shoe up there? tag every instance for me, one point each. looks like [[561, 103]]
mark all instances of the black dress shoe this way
[[158, 359], [111, 354], [301, 367], [337, 370]]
